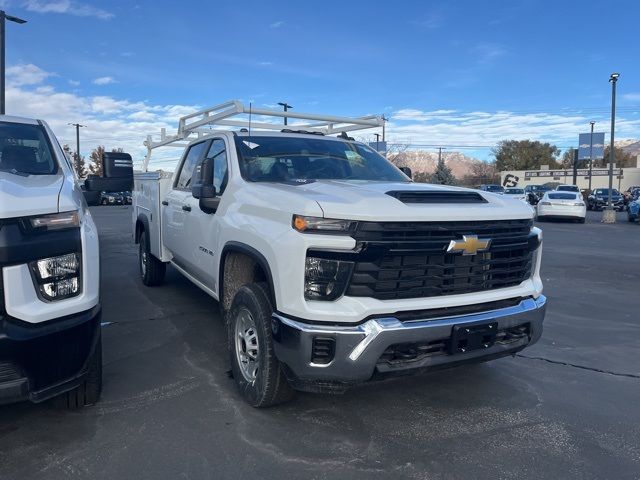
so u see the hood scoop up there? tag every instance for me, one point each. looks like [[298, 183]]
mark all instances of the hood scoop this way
[[436, 196]]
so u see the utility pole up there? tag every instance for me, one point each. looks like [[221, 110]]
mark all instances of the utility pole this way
[[3, 18], [609, 215], [591, 153], [384, 125], [377, 141], [78, 126], [439, 154], [286, 107]]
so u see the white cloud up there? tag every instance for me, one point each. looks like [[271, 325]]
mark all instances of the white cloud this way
[[487, 53], [277, 24], [632, 96], [68, 7], [104, 81], [26, 74], [265, 64], [74, 83]]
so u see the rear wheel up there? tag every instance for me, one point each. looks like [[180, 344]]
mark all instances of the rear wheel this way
[[152, 270], [88, 392], [256, 370]]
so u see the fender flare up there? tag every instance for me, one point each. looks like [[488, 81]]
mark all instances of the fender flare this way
[[254, 254], [145, 223]]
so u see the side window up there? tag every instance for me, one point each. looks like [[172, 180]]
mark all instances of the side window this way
[[218, 153], [193, 155]]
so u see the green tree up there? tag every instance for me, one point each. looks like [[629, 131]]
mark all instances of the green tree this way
[[525, 155], [78, 161], [442, 175]]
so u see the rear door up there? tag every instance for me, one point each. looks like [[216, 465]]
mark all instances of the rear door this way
[[176, 206]]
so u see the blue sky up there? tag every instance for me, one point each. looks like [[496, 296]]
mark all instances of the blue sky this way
[[445, 73]]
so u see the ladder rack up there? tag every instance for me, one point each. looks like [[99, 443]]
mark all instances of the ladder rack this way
[[235, 114]]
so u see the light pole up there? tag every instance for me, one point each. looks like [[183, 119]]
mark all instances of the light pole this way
[[591, 154], [377, 135], [78, 126], [286, 107], [3, 18], [609, 215]]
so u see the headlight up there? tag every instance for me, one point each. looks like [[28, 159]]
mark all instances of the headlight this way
[[59, 277], [56, 221], [321, 225], [325, 279]]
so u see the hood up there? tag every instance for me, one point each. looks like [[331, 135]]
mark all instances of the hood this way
[[364, 200], [31, 195]]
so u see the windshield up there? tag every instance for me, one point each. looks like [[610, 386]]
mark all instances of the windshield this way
[[283, 159], [494, 188], [562, 196], [514, 191], [567, 188], [605, 191], [24, 149]]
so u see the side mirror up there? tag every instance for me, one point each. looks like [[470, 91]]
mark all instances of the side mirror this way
[[406, 171], [202, 186]]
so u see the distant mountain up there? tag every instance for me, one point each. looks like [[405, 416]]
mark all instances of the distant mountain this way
[[630, 146], [420, 161]]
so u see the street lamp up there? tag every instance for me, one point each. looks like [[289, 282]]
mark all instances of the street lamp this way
[[286, 107], [609, 215], [591, 154], [3, 18]]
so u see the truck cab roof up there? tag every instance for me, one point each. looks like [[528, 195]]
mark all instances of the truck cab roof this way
[[14, 119]]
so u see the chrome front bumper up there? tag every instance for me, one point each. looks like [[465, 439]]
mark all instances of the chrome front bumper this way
[[357, 349]]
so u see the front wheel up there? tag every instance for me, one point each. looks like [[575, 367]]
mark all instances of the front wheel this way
[[256, 370], [152, 270]]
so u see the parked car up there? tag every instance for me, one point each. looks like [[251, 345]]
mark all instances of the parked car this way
[[633, 209], [514, 192], [631, 193], [569, 205], [50, 342], [568, 188], [329, 263], [535, 193], [491, 188], [111, 198], [599, 198]]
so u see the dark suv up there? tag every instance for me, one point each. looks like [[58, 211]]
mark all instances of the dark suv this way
[[599, 198]]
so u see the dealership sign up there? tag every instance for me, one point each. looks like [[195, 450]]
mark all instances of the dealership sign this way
[[582, 172]]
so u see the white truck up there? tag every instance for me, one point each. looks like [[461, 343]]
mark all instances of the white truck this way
[[50, 341], [330, 265]]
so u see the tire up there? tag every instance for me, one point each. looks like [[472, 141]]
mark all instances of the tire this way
[[581, 220], [631, 218], [258, 375], [152, 270], [88, 392]]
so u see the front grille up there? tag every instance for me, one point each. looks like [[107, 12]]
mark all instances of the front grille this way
[[409, 260]]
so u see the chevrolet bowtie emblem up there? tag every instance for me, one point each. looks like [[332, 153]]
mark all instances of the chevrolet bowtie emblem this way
[[469, 245]]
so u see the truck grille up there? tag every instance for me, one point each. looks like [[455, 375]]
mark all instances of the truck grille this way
[[409, 260]]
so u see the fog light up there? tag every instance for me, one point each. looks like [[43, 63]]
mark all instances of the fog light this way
[[325, 279], [57, 278]]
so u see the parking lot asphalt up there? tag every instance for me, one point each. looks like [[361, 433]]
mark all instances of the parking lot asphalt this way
[[568, 407]]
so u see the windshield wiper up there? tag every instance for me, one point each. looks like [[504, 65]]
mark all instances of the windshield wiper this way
[[15, 172]]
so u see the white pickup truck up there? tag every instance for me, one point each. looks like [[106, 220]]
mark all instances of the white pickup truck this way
[[330, 265], [49, 273]]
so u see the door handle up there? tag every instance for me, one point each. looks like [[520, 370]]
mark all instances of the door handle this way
[[186, 208], [165, 203]]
